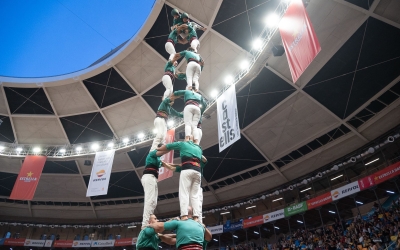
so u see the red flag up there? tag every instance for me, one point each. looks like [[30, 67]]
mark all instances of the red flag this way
[[299, 38], [165, 173], [366, 182], [28, 177]]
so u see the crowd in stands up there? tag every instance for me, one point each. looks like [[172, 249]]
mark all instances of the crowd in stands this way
[[377, 231]]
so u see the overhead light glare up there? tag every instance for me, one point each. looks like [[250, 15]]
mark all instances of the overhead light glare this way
[[62, 151], [214, 93], [78, 148], [225, 213], [299, 221], [125, 140], [390, 192], [36, 150], [215, 239], [305, 190], [19, 149], [332, 212], [95, 146], [110, 144], [244, 64], [131, 226], [276, 227], [1, 148], [256, 232], [155, 131], [359, 202], [140, 135], [336, 177], [171, 123], [250, 207], [257, 44], [371, 161], [277, 199], [272, 20], [235, 236], [229, 80]]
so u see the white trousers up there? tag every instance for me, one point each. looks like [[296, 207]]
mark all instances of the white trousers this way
[[170, 48], [169, 88], [149, 183], [193, 72], [195, 44], [201, 205], [189, 185], [161, 126], [200, 134], [191, 116]]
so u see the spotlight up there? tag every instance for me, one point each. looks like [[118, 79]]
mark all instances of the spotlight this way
[[214, 93], [235, 236], [299, 221], [140, 135], [371, 161], [277, 199], [215, 239], [359, 202], [331, 212], [305, 190], [62, 151], [244, 65], [125, 140], [229, 80], [272, 20], [225, 213], [110, 144], [36, 150], [390, 192], [276, 227], [95, 146], [1, 148], [155, 131], [336, 177], [256, 232], [78, 148], [19, 149], [257, 44], [170, 123], [250, 207]]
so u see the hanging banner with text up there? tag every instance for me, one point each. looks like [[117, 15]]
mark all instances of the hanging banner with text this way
[[28, 177], [14, 242], [101, 171], [216, 229], [228, 226], [255, 221], [63, 243], [228, 121], [103, 243], [319, 201], [165, 173], [387, 173], [366, 182], [125, 242], [279, 214], [299, 38], [82, 243], [295, 209], [346, 190], [34, 243]]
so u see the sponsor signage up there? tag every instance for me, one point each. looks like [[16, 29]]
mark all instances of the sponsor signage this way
[[63, 243], [34, 243], [258, 220], [366, 182], [295, 209], [28, 177], [14, 242], [48, 243], [165, 173], [228, 226], [228, 121], [81, 243], [387, 173], [103, 243], [101, 171], [319, 201], [346, 190], [216, 229], [299, 38], [125, 242], [274, 216]]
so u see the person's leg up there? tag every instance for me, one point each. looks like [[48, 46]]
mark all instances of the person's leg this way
[[149, 183], [161, 126], [196, 76], [200, 134], [200, 194], [195, 177], [195, 121], [170, 48], [190, 69], [184, 188], [195, 44], [187, 118], [167, 82]]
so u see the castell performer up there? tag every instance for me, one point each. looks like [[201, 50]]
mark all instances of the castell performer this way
[[148, 239], [189, 181], [149, 183], [173, 35], [160, 122], [169, 76], [178, 169], [199, 130], [188, 30], [191, 112], [194, 66], [190, 234]]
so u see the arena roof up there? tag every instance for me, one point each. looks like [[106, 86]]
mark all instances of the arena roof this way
[[347, 97]]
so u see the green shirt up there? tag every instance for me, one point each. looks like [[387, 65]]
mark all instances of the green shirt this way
[[147, 238], [178, 21], [166, 107], [191, 95], [169, 66], [178, 169], [205, 244], [187, 231], [153, 159], [173, 36], [186, 149], [190, 55]]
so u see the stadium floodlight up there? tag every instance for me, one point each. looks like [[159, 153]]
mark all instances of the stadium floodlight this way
[[390, 192], [170, 123], [256, 232], [110, 144], [371, 161], [1, 148], [125, 140], [276, 227], [19, 149], [244, 64], [299, 221], [62, 151], [95, 146], [359, 202], [228, 80], [214, 93], [336, 177], [79, 148], [272, 20], [257, 44], [215, 239], [155, 131], [140, 136], [331, 212], [305, 190], [277, 199]]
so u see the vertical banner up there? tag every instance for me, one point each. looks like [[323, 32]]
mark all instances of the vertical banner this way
[[299, 38], [366, 182], [228, 121], [28, 177], [101, 171], [165, 173]]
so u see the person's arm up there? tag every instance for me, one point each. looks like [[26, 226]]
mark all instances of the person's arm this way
[[176, 113], [173, 146], [166, 239], [177, 56], [178, 168], [207, 234], [181, 76], [169, 166], [179, 93], [204, 159], [158, 227]]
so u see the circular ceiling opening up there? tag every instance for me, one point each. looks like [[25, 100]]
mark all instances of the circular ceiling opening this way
[[51, 38]]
